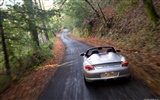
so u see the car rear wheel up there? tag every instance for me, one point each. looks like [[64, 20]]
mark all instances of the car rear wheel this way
[[87, 81], [128, 78]]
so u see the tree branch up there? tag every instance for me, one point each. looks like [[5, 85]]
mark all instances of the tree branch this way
[[2, 3], [93, 8]]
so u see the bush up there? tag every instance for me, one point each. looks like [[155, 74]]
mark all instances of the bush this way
[[5, 82], [124, 4], [22, 61]]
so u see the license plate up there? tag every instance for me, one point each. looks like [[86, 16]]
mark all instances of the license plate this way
[[109, 74]]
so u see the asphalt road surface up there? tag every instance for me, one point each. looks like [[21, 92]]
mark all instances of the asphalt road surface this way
[[68, 82]]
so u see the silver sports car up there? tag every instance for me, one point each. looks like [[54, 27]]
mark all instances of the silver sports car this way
[[102, 63]]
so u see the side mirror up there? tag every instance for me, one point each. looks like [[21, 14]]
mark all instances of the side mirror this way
[[82, 54], [118, 50]]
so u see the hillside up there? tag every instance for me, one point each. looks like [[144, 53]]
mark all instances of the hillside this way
[[130, 27]]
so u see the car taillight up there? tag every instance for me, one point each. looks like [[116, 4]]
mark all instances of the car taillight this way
[[125, 63], [89, 67]]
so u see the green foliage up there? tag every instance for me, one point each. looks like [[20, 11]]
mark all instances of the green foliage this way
[[22, 22], [133, 2], [85, 33], [29, 59], [82, 13], [123, 5], [77, 34], [46, 50], [68, 22], [79, 11], [5, 81], [153, 16]]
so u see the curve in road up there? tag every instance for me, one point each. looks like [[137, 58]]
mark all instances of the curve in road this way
[[68, 82]]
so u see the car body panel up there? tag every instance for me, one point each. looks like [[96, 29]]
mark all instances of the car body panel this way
[[107, 65]]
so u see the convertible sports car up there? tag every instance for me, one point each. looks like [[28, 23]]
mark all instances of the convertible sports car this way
[[102, 63]]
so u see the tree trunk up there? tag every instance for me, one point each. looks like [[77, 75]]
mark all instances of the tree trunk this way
[[43, 19], [2, 3], [62, 4], [46, 33], [35, 37], [31, 21], [148, 4], [105, 21], [93, 8], [6, 58], [54, 34]]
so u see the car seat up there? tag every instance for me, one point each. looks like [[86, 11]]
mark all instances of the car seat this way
[[95, 52], [110, 50]]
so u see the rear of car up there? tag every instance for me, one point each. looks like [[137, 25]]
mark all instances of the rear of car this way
[[106, 71], [102, 63]]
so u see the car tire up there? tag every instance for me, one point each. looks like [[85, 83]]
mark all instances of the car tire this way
[[128, 78], [87, 81]]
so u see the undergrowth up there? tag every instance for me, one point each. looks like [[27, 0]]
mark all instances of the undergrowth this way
[[123, 5], [22, 65]]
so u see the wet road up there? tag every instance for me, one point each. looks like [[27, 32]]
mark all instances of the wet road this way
[[68, 82]]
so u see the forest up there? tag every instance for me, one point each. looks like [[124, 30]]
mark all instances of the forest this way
[[28, 30], [27, 36]]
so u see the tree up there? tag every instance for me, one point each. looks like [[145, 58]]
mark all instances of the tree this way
[[153, 16], [31, 21], [79, 11], [42, 15], [105, 21], [5, 52], [93, 8], [19, 28]]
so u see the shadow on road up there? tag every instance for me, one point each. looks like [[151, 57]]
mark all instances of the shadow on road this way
[[109, 83]]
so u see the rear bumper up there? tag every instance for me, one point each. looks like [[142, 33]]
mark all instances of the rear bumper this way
[[121, 73]]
